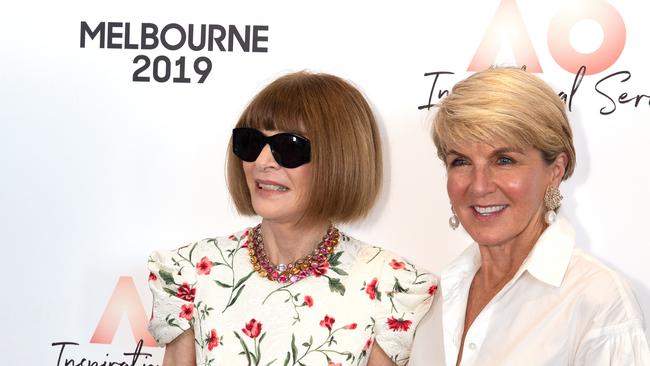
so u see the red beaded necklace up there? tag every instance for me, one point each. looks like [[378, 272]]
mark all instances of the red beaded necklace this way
[[292, 272]]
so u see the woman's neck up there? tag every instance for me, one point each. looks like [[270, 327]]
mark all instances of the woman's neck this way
[[286, 242], [499, 263]]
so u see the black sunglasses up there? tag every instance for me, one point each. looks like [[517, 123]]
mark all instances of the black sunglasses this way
[[289, 149]]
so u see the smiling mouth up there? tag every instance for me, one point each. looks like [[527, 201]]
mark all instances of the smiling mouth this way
[[488, 210], [272, 187]]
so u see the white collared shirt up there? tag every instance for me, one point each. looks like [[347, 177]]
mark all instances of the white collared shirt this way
[[563, 307]]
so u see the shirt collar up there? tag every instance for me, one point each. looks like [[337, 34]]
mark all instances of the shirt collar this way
[[549, 259], [466, 264]]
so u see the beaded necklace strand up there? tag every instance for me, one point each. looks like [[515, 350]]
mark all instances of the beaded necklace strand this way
[[292, 272]]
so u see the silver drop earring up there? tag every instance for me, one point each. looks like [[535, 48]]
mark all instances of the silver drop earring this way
[[552, 200], [453, 219]]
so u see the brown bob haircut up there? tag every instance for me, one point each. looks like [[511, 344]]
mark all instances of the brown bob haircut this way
[[507, 104], [345, 143]]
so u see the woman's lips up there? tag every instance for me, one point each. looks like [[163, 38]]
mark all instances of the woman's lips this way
[[486, 213], [268, 187]]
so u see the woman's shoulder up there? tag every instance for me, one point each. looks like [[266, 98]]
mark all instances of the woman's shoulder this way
[[604, 292], [360, 251], [388, 266], [608, 316], [375, 255], [195, 252]]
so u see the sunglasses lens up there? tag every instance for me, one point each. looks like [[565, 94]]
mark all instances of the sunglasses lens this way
[[247, 143], [289, 150]]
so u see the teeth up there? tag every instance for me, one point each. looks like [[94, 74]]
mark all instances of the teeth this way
[[273, 187], [488, 210]]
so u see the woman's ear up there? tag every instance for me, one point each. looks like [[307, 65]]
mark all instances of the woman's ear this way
[[558, 168]]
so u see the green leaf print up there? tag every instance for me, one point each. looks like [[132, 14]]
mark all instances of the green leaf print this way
[[237, 285], [321, 349], [243, 279], [167, 277], [169, 291], [336, 285], [224, 285], [235, 297], [339, 271], [245, 347], [334, 258], [294, 349]]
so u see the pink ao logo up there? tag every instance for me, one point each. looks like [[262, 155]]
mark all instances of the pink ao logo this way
[[508, 22], [125, 300]]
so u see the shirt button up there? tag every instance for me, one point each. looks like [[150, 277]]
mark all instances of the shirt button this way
[[472, 346]]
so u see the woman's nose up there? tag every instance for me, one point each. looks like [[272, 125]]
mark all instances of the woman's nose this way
[[481, 181], [265, 159]]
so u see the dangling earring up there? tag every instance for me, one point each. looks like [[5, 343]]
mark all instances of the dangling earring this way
[[453, 220], [552, 200]]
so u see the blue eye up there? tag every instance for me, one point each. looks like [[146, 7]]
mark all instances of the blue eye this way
[[459, 162], [504, 160]]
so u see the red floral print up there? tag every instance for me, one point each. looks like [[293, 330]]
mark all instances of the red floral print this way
[[349, 290], [204, 266], [186, 311], [244, 235], [321, 269], [397, 264], [252, 329], [327, 322], [368, 344], [398, 324], [433, 289], [309, 301], [185, 292], [371, 289], [213, 341]]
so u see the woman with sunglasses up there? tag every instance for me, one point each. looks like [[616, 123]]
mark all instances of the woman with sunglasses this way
[[293, 290]]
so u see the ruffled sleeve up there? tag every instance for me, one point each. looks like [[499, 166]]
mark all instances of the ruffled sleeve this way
[[172, 280], [404, 295], [620, 344]]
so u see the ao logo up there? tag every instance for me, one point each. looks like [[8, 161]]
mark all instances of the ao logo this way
[[508, 22], [124, 300]]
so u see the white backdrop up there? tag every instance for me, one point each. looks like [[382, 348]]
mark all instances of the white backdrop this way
[[99, 170]]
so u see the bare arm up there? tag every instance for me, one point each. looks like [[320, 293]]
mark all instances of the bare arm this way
[[180, 352], [378, 357]]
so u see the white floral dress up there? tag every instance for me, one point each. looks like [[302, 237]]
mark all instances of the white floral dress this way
[[363, 294]]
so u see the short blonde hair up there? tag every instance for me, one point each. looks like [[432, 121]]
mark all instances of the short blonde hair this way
[[345, 143], [508, 104]]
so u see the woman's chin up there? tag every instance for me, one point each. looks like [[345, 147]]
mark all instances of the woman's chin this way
[[488, 238]]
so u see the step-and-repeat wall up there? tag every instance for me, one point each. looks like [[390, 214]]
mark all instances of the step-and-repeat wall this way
[[114, 120]]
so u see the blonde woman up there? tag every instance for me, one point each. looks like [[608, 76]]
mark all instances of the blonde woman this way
[[523, 294]]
